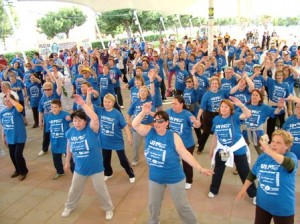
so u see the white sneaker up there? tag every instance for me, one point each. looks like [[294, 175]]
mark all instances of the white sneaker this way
[[211, 195], [41, 153], [133, 163], [109, 215], [188, 186], [132, 180], [122, 107], [254, 200], [107, 177], [66, 212]]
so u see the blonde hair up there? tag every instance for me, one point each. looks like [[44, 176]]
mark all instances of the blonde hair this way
[[143, 87], [110, 97], [287, 137], [215, 78]]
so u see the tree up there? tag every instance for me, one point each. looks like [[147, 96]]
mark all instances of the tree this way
[[62, 21], [6, 29]]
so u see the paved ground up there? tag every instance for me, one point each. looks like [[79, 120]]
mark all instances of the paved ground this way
[[39, 199]]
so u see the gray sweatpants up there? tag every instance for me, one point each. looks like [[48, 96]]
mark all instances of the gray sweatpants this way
[[178, 194], [137, 141], [77, 187]]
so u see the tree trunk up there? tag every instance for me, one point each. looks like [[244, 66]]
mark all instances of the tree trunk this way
[[67, 33], [128, 31]]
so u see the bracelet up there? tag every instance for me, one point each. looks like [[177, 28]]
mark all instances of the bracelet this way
[[151, 82]]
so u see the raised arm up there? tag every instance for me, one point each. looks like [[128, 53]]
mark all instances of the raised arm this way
[[94, 121], [136, 123]]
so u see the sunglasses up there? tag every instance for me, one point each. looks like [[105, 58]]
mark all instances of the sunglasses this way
[[188, 81], [47, 89], [158, 121]]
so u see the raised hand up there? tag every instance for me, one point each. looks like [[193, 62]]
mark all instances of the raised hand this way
[[78, 99]]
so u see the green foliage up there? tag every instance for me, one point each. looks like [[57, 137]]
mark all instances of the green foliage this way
[[62, 21], [6, 29], [9, 56]]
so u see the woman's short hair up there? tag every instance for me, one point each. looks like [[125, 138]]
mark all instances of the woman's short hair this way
[[86, 83], [79, 114], [229, 104], [162, 114], [49, 84], [215, 78], [110, 97], [287, 137]]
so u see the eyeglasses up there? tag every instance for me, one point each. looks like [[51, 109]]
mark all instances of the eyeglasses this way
[[47, 89], [158, 121], [188, 81]]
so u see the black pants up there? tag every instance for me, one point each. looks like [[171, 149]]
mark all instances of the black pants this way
[[206, 120], [198, 135], [187, 168], [264, 217], [230, 61], [58, 164], [178, 92], [242, 167], [35, 115], [119, 95], [46, 139], [17, 158], [163, 89], [271, 123], [123, 161]]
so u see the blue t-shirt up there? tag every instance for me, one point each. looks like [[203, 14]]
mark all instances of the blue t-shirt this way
[[180, 78], [228, 131], [137, 106], [211, 101], [116, 74], [231, 50], [292, 125], [228, 84], [85, 147], [77, 81], [37, 61], [134, 94], [259, 82], [249, 68], [18, 84], [191, 98], [277, 90], [276, 186], [111, 125], [57, 125], [243, 95], [259, 115], [203, 85], [45, 103], [182, 125], [162, 158], [105, 85], [34, 91], [156, 99], [13, 126]]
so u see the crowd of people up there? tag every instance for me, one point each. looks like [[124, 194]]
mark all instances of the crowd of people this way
[[219, 93]]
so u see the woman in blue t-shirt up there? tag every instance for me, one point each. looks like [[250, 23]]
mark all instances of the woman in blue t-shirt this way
[[275, 171], [112, 122], [135, 108], [34, 94], [260, 112], [84, 146], [162, 150], [292, 125], [209, 109], [228, 146], [14, 134], [182, 121]]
